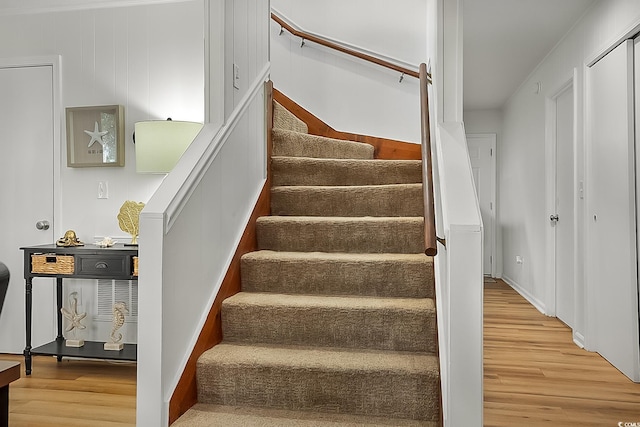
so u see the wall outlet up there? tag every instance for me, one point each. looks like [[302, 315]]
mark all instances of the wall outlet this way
[[519, 259]]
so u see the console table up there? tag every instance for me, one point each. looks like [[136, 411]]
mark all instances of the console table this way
[[118, 262]]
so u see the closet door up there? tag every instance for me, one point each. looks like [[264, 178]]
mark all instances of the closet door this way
[[611, 212]]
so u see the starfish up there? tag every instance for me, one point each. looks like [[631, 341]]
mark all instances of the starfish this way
[[72, 315], [96, 135]]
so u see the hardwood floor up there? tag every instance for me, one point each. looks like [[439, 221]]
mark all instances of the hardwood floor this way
[[73, 393], [535, 375]]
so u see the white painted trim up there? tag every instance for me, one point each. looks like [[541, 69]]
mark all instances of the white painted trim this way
[[177, 204], [539, 305], [214, 60], [578, 339], [551, 188], [189, 171], [494, 216], [344, 44], [628, 33], [51, 7], [216, 289]]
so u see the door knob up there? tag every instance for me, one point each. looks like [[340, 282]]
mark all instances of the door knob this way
[[554, 218], [42, 225]]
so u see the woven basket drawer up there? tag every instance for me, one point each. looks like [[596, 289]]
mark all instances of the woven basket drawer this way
[[52, 264], [135, 266]]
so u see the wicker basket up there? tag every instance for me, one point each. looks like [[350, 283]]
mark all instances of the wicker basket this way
[[135, 266], [52, 264]]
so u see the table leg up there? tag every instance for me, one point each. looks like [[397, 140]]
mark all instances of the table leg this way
[[4, 406], [60, 337], [28, 306]]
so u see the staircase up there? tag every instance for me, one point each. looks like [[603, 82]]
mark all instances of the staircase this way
[[335, 324]]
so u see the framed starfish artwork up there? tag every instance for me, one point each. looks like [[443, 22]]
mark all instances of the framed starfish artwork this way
[[95, 136]]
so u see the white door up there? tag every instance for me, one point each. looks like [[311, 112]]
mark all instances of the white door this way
[[26, 193], [564, 209], [611, 212], [482, 149]]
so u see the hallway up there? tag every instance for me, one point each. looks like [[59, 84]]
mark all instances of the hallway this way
[[534, 375]]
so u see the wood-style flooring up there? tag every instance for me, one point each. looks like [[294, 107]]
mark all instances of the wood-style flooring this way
[[73, 393], [534, 375]]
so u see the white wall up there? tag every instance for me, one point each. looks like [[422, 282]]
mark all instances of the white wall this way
[[348, 94], [521, 161], [149, 59]]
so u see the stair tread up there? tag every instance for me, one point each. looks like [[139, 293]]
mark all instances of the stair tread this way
[[202, 414], [323, 171], [292, 143], [326, 301], [339, 256], [320, 359], [345, 188], [323, 160], [340, 219], [408, 275]]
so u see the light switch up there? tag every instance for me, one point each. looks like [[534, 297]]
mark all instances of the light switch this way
[[103, 190], [236, 76]]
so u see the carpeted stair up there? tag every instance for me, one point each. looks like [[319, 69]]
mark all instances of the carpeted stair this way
[[335, 324]]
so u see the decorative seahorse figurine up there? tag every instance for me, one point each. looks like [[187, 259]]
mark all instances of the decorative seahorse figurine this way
[[119, 311]]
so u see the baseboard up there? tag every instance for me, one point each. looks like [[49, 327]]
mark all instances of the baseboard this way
[[578, 339], [539, 305]]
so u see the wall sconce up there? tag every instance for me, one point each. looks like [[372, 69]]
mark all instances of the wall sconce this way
[[161, 143]]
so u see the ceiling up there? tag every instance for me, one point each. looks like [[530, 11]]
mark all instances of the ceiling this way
[[504, 40]]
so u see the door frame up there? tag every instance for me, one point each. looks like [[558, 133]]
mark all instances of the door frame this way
[[54, 61], [493, 172], [551, 180]]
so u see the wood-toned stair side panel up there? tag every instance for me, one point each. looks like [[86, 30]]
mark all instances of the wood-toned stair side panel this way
[[185, 394], [384, 148]]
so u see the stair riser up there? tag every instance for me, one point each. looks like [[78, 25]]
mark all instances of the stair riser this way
[[334, 391], [348, 201], [317, 277], [304, 172], [350, 237], [379, 329]]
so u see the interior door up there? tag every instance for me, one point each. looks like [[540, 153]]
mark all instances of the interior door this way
[[481, 152], [565, 222], [26, 192], [611, 212]]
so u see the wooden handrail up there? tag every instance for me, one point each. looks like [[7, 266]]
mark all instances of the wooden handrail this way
[[306, 36], [430, 238]]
